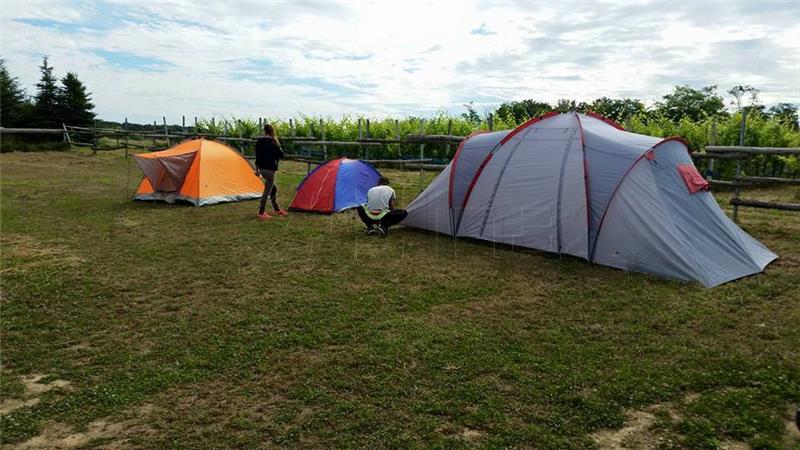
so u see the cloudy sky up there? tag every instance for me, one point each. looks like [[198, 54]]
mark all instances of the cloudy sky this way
[[145, 59]]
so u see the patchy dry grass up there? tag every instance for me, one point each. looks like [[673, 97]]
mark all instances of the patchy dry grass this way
[[203, 327]]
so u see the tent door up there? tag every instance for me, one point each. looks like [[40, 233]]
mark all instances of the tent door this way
[[166, 173]]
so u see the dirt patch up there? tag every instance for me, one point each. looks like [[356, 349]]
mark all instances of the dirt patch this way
[[638, 432], [634, 434], [468, 434], [734, 445], [60, 436], [14, 403], [464, 434], [57, 435], [35, 385], [792, 432]]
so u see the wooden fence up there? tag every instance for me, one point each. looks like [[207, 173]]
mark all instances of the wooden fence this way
[[364, 142], [740, 181]]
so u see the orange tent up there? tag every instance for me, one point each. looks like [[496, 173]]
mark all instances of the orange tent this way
[[198, 171]]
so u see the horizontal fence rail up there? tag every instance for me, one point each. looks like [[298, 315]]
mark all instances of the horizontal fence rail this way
[[31, 130], [752, 150]]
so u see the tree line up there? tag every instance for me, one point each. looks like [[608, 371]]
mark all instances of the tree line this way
[[684, 102], [56, 101]]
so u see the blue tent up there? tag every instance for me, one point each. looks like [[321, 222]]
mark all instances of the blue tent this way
[[335, 186]]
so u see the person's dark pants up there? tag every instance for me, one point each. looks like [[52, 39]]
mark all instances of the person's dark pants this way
[[393, 217], [270, 190]]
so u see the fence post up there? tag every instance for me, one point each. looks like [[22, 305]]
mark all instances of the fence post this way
[[94, 137], [195, 125], [183, 126], [490, 121], [360, 137], [154, 138], [713, 139], [399, 145], [241, 143], [736, 188], [166, 131], [449, 133], [366, 149], [66, 133], [125, 127], [743, 128], [324, 146], [421, 151]]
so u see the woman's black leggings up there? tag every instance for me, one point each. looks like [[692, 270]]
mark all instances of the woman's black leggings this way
[[270, 190]]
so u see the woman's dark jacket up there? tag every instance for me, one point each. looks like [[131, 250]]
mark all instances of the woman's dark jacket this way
[[268, 153]]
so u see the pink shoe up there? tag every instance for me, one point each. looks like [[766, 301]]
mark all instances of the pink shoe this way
[[281, 212], [264, 216]]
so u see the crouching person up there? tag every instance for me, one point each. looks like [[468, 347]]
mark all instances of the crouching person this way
[[380, 212]]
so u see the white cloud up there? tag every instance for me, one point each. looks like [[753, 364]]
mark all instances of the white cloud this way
[[382, 58]]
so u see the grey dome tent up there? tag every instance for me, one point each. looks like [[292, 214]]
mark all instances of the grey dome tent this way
[[578, 184]]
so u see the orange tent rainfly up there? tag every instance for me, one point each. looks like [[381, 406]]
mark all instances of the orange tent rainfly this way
[[198, 171]]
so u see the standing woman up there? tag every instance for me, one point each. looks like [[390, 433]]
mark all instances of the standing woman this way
[[268, 155]]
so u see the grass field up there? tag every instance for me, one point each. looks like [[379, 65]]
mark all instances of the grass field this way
[[152, 325]]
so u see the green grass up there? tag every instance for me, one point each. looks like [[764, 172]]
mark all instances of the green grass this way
[[301, 332]]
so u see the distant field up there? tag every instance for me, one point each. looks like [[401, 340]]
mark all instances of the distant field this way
[[136, 324]]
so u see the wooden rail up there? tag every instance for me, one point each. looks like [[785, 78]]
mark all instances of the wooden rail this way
[[765, 205], [767, 180], [31, 130], [739, 153], [340, 143], [752, 150]]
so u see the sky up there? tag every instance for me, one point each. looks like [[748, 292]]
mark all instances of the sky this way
[[147, 59]]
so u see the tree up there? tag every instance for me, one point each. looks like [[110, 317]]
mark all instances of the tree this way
[[45, 107], [523, 110], [567, 105], [696, 104], [74, 102], [785, 113], [14, 104], [739, 92], [617, 109], [471, 115]]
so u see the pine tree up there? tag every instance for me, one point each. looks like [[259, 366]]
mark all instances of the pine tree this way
[[13, 101], [46, 111], [74, 102]]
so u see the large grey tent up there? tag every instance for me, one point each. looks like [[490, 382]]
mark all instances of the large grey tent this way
[[578, 184]]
